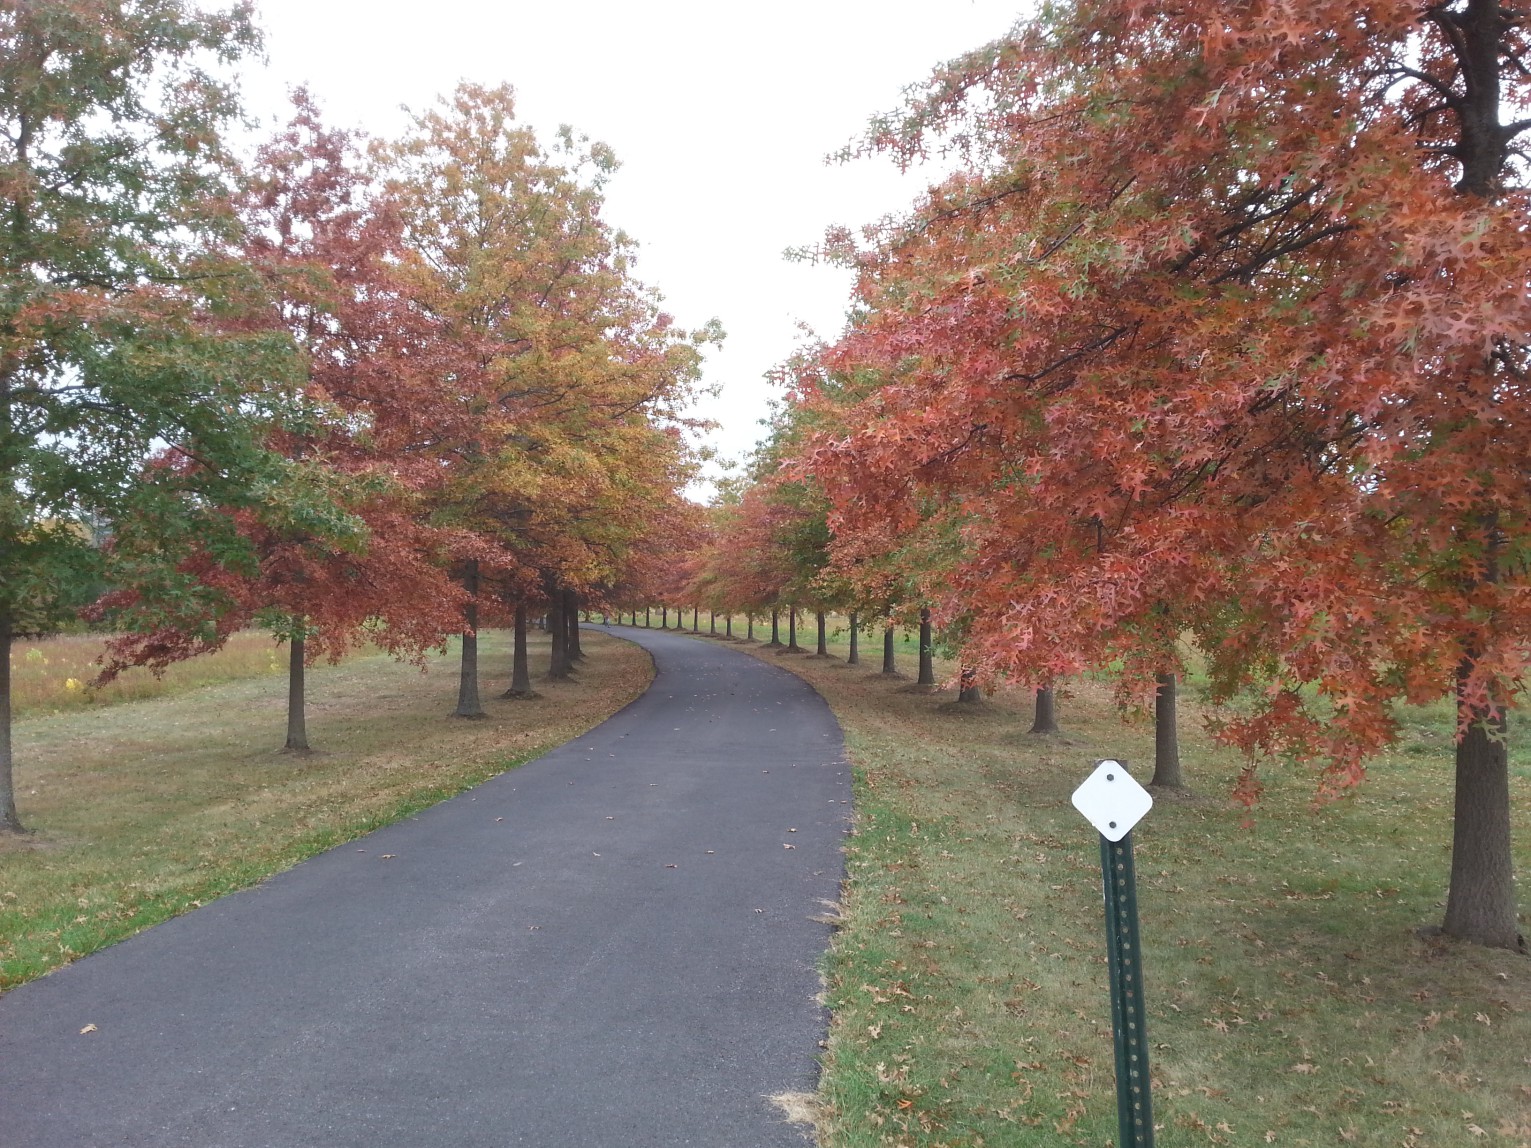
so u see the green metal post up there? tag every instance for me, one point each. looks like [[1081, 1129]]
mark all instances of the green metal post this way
[[1128, 1023]]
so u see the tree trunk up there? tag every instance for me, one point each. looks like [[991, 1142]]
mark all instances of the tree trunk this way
[[1166, 737], [664, 617], [297, 714], [792, 646], [728, 627], [822, 649], [927, 652], [712, 623], [695, 624], [520, 664], [775, 628], [889, 659], [648, 619], [854, 657], [1480, 905], [571, 613], [10, 821], [1046, 720], [559, 665], [968, 690], [468, 704], [749, 627]]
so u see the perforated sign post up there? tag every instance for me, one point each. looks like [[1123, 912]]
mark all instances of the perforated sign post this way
[[1113, 802]]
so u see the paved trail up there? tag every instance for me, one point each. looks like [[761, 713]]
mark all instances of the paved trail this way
[[609, 947]]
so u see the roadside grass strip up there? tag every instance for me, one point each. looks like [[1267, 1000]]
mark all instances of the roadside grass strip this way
[[1292, 998], [146, 810]]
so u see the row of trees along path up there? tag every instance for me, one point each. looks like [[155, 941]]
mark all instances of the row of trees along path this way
[[347, 391], [1219, 332]]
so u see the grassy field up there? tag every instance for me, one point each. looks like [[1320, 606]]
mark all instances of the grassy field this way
[[145, 810], [1291, 999], [53, 675]]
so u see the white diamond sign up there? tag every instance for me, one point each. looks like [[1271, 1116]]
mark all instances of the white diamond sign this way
[[1112, 801]]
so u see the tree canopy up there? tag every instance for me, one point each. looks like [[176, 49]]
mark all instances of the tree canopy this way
[[1219, 330], [114, 279], [333, 391]]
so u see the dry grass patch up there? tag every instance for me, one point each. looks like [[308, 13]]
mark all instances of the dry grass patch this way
[[1291, 1001], [801, 1108], [143, 811]]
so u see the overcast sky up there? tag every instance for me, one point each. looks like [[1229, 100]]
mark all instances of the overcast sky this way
[[721, 113]]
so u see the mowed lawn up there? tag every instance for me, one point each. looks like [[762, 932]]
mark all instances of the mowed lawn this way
[[1292, 997], [145, 809]]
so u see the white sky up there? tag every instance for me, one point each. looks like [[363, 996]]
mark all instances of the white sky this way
[[720, 113]]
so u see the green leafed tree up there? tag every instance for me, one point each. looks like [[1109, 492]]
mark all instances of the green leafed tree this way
[[114, 205]]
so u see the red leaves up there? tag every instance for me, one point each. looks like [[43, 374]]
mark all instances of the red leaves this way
[[1210, 351]]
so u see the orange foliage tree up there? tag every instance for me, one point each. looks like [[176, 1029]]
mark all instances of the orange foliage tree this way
[[574, 379], [1224, 328]]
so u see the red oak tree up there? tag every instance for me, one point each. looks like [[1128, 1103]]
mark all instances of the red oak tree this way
[[355, 561], [1224, 328]]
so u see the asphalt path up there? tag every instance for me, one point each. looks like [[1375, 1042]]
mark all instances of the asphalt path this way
[[609, 947]]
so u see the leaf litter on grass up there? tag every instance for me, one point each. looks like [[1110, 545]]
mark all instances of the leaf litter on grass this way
[[1292, 999]]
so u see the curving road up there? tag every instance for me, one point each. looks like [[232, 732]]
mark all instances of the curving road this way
[[610, 947]]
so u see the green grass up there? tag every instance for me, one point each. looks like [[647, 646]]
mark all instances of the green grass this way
[[146, 810], [1291, 999]]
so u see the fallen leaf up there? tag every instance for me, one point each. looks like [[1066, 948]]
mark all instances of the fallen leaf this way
[[88, 1028]]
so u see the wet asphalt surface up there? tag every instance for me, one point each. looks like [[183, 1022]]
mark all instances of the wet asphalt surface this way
[[609, 947]]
